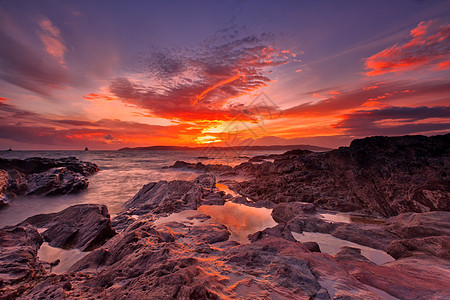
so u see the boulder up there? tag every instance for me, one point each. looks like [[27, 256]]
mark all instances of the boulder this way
[[281, 231], [84, 226], [45, 176], [18, 259], [207, 181], [3, 187], [377, 175], [284, 212], [56, 181]]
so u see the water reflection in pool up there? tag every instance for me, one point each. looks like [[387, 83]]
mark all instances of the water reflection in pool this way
[[67, 257], [332, 245], [240, 219]]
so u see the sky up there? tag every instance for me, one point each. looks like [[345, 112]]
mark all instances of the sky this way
[[113, 74]]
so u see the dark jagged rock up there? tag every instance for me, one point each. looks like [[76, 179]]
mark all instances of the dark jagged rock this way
[[312, 246], [39, 165], [19, 264], [56, 181], [217, 168], [284, 212], [45, 176], [84, 226], [400, 236], [281, 230], [174, 196], [378, 175], [3, 187]]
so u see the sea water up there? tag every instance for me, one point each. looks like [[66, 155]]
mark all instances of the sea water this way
[[121, 175]]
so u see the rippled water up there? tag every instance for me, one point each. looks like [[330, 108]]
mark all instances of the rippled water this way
[[121, 176]]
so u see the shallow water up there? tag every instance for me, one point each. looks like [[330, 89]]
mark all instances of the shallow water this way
[[67, 257], [240, 219], [121, 175], [332, 245]]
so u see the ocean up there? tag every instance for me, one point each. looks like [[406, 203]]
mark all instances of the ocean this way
[[121, 175]]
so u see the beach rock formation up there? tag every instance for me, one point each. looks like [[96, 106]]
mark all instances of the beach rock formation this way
[[83, 226], [44, 176], [174, 196], [155, 255], [3, 187], [19, 264], [378, 175]]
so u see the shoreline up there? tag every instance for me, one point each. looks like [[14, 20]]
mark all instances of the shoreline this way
[[136, 254]]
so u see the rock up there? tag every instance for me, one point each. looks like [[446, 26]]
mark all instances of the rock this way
[[39, 165], [351, 254], [424, 232], [377, 175], [210, 168], [174, 196], [281, 231], [166, 197], [207, 181], [210, 233], [418, 277], [56, 181], [414, 225], [213, 199], [84, 226], [44, 176], [312, 246], [284, 212], [3, 187], [18, 259]]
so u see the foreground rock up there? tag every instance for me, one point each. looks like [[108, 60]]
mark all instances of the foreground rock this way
[[400, 236], [156, 255], [43, 176], [84, 226], [18, 259], [3, 187], [174, 196]]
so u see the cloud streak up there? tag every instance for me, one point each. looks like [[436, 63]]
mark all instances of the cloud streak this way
[[428, 45], [51, 37], [396, 121], [197, 85], [380, 94], [22, 66]]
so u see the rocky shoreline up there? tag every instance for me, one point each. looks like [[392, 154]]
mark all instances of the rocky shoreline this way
[[163, 247], [43, 176]]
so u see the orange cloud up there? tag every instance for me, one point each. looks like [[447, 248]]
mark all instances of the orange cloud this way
[[199, 89], [366, 88], [334, 93], [99, 97], [429, 45], [443, 65], [3, 99]]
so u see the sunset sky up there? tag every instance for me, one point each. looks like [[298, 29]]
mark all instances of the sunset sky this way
[[112, 74]]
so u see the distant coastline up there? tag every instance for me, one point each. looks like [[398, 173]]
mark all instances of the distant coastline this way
[[184, 148]]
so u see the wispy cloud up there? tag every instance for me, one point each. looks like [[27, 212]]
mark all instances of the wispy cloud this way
[[25, 67], [51, 37], [23, 126], [379, 94], [198, 84], [396, 121], [428, 45]]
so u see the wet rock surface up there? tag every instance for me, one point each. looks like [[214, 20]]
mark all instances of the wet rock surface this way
[[157, 256], [44, 176], [376, 175], [84, 226], [19, 264]]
